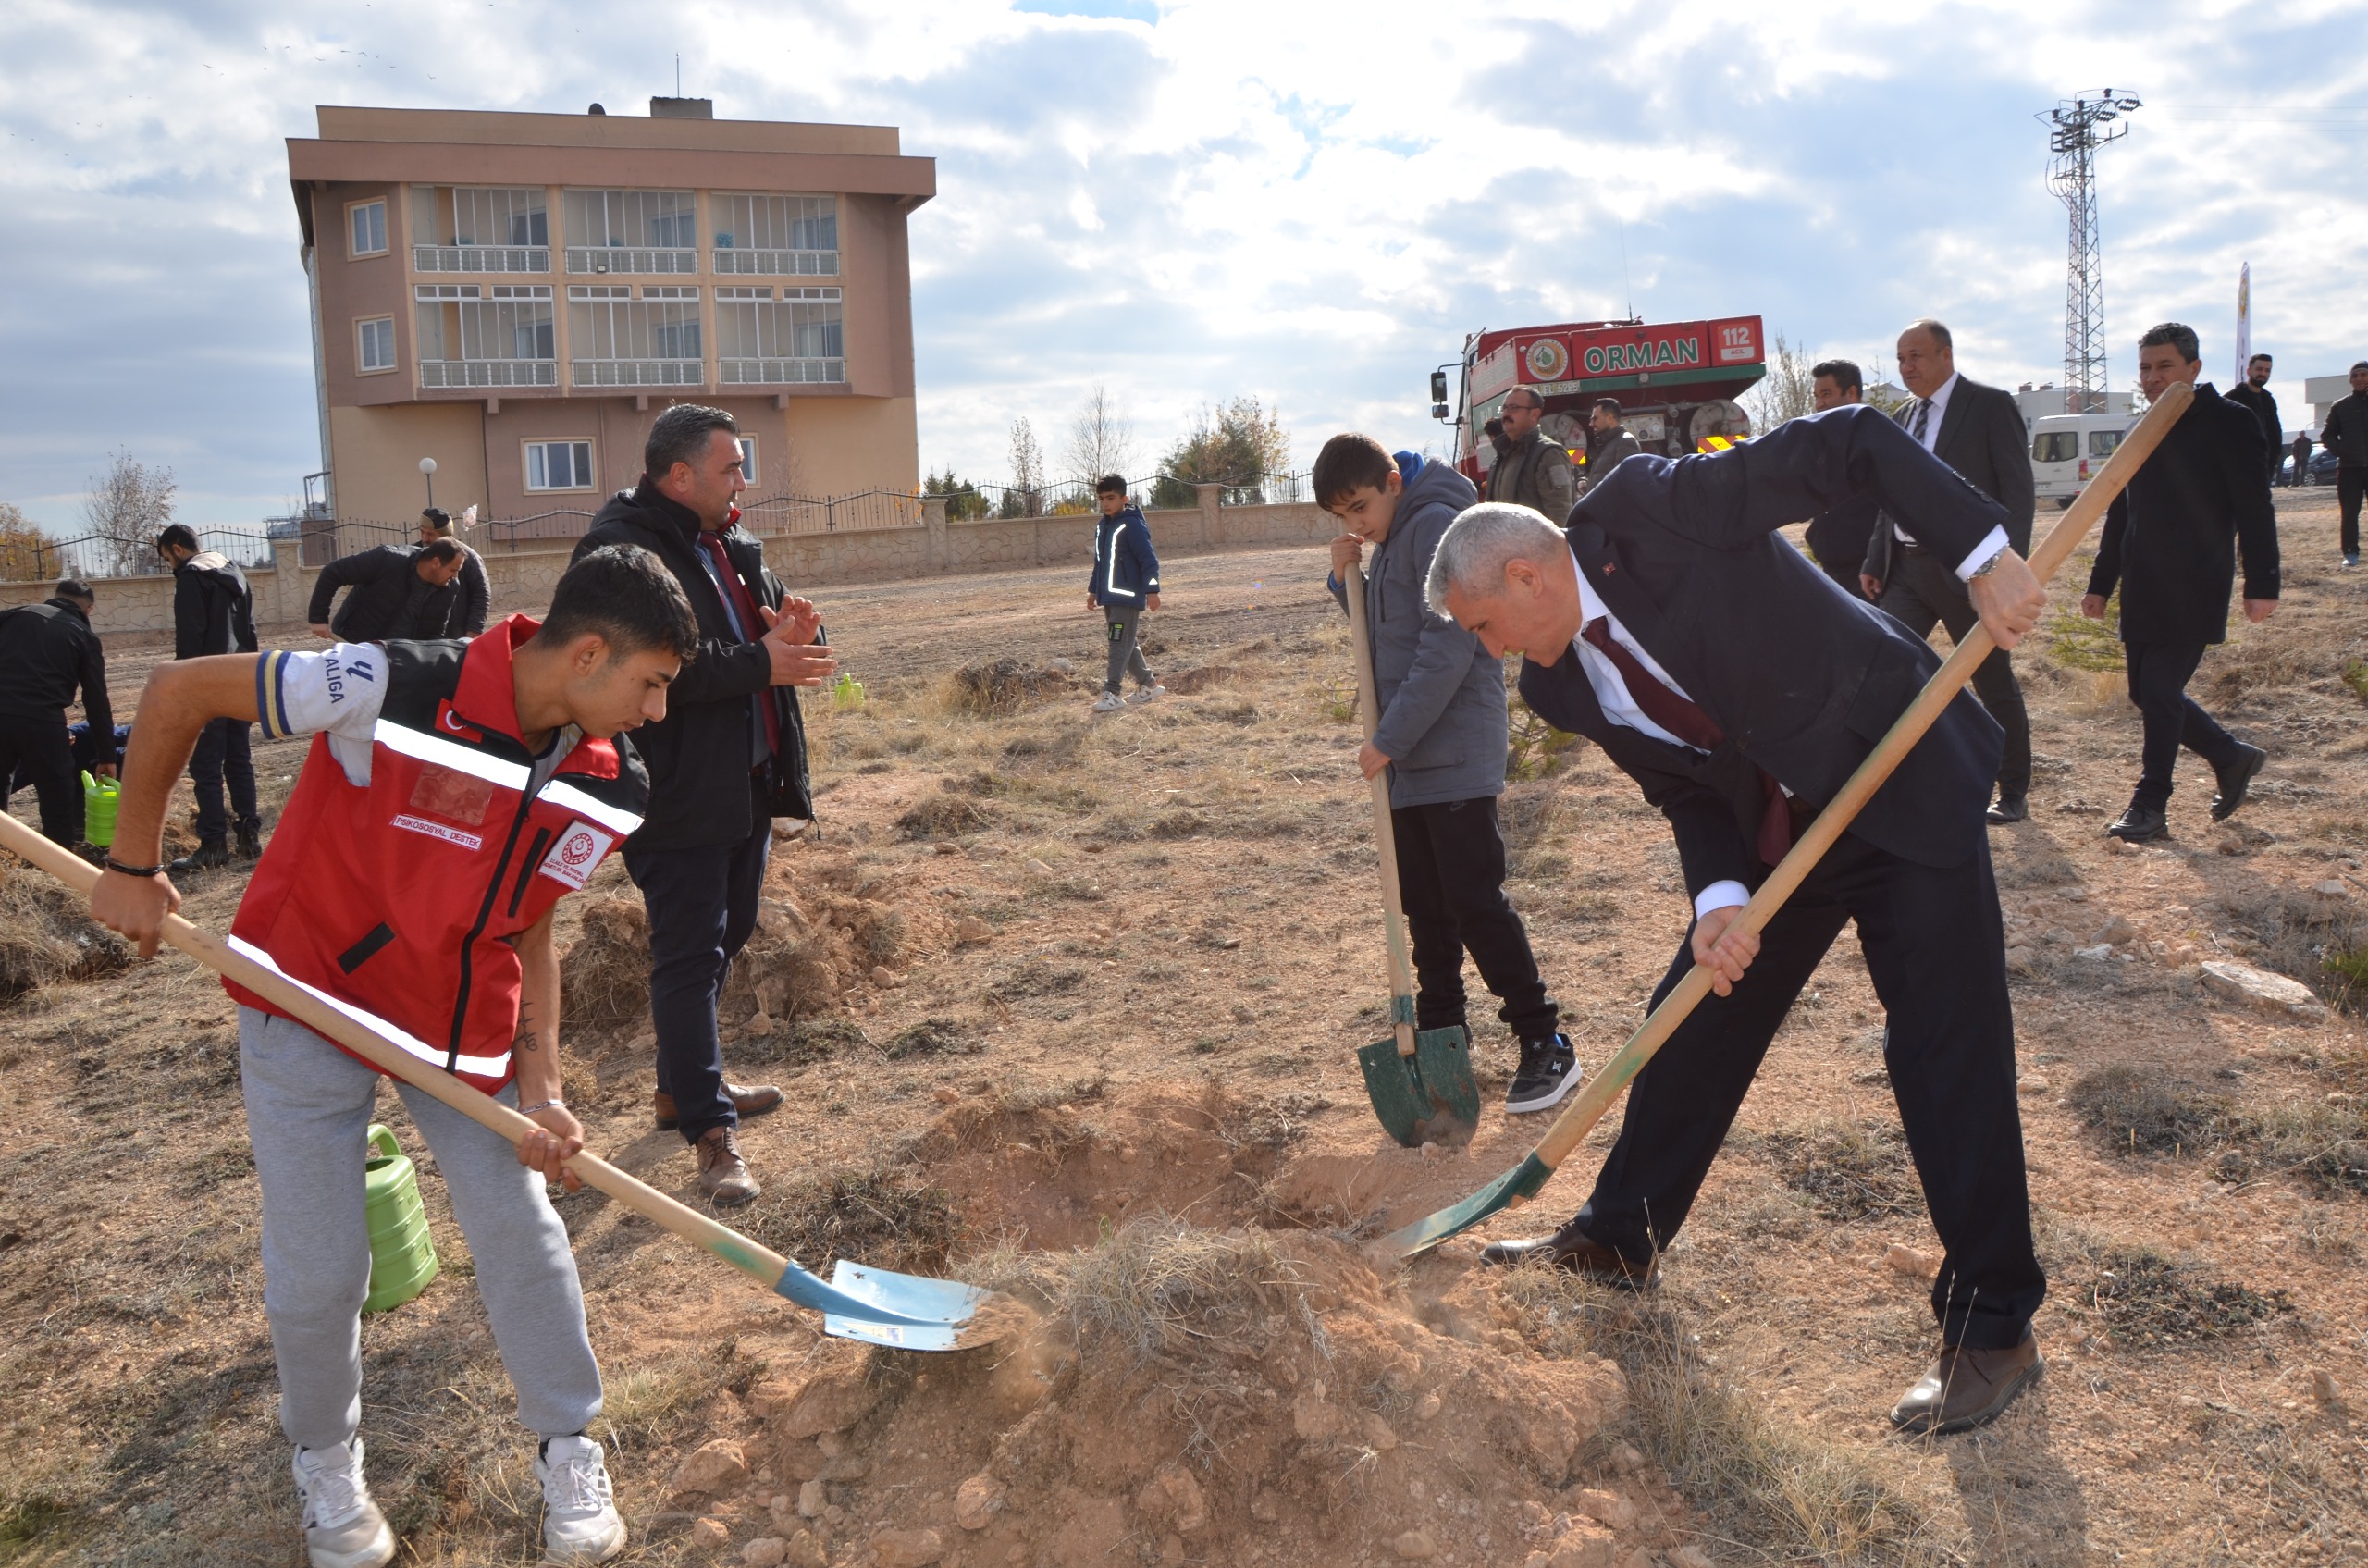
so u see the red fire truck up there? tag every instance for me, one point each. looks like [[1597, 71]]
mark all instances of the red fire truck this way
[[1677, 385]]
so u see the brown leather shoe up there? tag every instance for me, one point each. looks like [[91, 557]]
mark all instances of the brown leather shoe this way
[[1966, 1386], [750, 1102], [724, 1175], [1574, 1251]]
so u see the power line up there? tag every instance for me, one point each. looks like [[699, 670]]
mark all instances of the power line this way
[[2079, 126]]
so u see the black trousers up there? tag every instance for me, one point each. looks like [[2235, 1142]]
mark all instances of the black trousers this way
[[702, 907], [1937, 953], [2158, 676], [1451, 880], [1924, 591], [2350, 485], [222, 756], [1845, 574], [42, 749]]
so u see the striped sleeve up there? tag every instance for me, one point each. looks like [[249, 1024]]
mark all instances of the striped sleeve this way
[[271, 694], [338, 690]]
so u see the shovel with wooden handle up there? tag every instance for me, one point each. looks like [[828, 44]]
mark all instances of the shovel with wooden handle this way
[[873, 1305], [1523, 1182], [1419, 1080]]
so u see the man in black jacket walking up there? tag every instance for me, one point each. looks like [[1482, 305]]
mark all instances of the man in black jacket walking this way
[[2255, 398], [2166, 544], [398, 591], [213, 613], [1671, 625], [728, 757], [1977, 431], [2346, 434], [1838, 537], [47, 650]]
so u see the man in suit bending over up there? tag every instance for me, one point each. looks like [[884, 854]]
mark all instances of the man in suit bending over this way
[[1674, 626], [1977, 431]]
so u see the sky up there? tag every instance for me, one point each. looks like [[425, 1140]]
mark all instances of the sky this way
[[1311, 203]]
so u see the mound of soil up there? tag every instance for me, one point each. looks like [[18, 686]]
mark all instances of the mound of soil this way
[[46, 934], [1006, 685]]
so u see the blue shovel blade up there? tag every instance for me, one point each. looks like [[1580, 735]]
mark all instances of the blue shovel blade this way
[[882, 1307]]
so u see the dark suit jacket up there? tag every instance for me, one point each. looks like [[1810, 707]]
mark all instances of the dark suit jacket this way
[[2167, 536], [2257, 402], [1982, 438], [1839, 535], [1802, 678], [388, 598]]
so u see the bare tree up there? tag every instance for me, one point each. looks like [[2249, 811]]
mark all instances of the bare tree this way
[[1102, 439], [126, 507], [1786, 392], [1026, 497]]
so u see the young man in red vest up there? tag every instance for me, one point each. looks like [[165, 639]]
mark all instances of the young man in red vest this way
[[455, 793]]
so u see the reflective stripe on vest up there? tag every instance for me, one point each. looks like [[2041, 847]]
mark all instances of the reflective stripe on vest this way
[[480, 1067]]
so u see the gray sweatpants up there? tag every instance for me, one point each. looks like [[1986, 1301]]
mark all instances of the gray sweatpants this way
[[308, 1111], [1125, 655]]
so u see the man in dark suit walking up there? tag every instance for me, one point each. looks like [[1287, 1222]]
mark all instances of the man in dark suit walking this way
[[2167, 545], [2255, 398], [1739, 687], [1838, 537], [1977, 431]]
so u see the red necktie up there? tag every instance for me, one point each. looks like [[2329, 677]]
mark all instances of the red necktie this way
[[744, 606], [1682, 718]]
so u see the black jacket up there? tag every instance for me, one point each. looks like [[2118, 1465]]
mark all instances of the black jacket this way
[[388, 598], [2167, 536], [2345, 432], [1982, 438], [473, 597], [213, 610], [1802, 678], [2262, 407], [1839, 535], [47, 650], [700, 753]]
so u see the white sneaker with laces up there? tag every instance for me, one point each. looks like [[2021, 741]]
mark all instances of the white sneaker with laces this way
[[1147, 693], [580, 1519], [1109, 703], [342, 1527]]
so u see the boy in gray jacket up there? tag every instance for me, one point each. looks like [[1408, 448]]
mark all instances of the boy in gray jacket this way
[[1442, 736]]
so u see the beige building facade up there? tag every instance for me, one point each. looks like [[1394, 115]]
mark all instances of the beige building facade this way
[[518, 295]]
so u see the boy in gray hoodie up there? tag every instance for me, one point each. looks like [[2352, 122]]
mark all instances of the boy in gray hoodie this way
[[1441, 734]]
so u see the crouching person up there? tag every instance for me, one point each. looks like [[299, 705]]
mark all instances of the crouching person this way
[[455, 793]]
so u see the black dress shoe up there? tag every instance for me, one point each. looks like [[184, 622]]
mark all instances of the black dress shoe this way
[[2141, 822], [2010, 808], [210, 853], [1966, 1386], [1572, 1250], [2235, 780]]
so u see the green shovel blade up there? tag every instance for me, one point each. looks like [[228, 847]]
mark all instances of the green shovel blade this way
[[1425, 1098], [1522, 1181]]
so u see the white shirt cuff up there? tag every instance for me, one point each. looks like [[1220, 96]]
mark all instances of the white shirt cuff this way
[[1727, 895], [1992, 543]]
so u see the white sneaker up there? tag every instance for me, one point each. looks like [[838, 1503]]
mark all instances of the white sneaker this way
[[580, 1520], [1147, 693], [342, 1527], [1109, 703]]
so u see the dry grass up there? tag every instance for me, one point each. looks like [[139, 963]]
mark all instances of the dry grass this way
[[1848, 1171], [2325, 1142], [868, 1217], [2148, 1301], [604, 974], [46, 937], [1003, 688], [1151, 1285]]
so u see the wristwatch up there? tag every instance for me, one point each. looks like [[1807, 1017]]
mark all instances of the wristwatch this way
[[1990, 565]]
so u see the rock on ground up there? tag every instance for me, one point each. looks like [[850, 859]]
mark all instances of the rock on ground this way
[[2256, 988]]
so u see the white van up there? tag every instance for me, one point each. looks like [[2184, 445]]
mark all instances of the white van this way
[[2067, 448]]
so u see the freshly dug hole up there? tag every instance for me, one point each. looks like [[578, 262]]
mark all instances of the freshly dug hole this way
[[47, 936]]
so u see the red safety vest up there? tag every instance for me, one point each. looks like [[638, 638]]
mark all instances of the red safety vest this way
[[397, 904]]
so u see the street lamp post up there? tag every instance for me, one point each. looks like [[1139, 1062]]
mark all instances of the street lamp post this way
[[427, 467]]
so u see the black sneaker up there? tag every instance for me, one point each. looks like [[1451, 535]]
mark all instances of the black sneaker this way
[[210, 853], [250, 835], [2235, 781], [1549, 1070], [2140, 821]]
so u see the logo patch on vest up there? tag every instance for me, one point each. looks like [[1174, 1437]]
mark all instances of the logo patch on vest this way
[[575, 856], [448, 792], [440, 830]]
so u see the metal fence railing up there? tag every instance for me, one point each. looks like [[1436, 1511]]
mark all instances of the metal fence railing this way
[[967, 500], [27, 557]]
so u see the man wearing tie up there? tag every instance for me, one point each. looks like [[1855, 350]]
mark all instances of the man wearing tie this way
[[1739, 687], [1977, 431]]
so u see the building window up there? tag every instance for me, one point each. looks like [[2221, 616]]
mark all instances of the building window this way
[[624, 336], [776, 236], [630, 231], [762, 341], [376, 339], [486, 334], [749, 460], [368, 225], [559, 466], [471, 228]]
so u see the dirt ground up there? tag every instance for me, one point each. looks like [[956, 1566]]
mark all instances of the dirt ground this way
[[1068, 1006]]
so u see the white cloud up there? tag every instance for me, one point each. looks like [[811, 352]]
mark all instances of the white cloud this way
[[1313, 203]]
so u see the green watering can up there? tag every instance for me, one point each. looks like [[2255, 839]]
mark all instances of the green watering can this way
[[402, 1254], [98, 810]]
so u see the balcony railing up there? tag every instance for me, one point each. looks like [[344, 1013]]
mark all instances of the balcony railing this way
[[488, 372], [779, 372], [640, 373], [629, 259], [481, 258], [777, 264]]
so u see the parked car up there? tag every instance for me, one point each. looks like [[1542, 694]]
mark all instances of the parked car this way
[[2067, 448], [2323, 466]]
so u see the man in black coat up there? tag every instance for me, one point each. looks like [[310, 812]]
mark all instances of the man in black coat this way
[[1740, 687], [475, 594], [2166, 544], [728, 757], [396, 591], [1977, 431], [2255, 398], [214, 612], [1838, 536], [47, 651], [2346, 434]]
